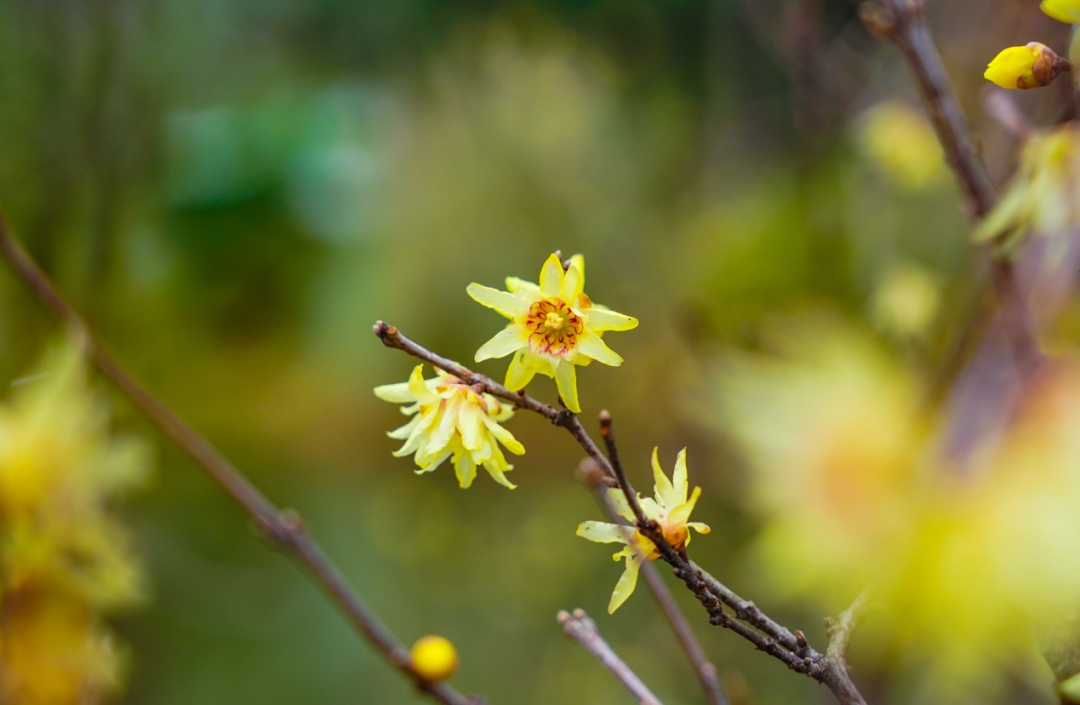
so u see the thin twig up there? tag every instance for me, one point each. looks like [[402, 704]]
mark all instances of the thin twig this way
[[282, 527], [789, 648], [705, 669], [582, 629]]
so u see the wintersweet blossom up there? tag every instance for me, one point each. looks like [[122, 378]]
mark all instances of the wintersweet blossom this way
[[452, 419], [553, 327], [1062, 10], [670, 510], [1031, 66]]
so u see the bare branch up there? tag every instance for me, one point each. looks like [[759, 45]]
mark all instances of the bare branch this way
[[789, 648], [579, 627], [281, 527]]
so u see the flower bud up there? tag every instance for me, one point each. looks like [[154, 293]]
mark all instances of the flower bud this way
[[1032, 66], [434, 658]]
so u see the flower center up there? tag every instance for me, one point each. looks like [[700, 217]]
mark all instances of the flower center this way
[[553, 327]]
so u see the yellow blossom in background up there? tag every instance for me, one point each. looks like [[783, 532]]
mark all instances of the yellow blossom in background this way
[[452, 420], [64, 561], [1043, 196], [670, 509], [900, 141], [906, 301], [553, 327], [1062, 10], [829, 428], [1031, 66]]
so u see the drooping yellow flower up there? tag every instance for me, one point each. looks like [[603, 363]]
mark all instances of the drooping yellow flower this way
[[1062, 10], [451, 419], [1031, 66], [553, 327], [670, 509]]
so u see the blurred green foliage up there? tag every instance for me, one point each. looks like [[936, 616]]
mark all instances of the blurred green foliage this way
[[235, 191]]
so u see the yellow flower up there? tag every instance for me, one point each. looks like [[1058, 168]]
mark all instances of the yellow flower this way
[[1062, 10], [451, 418], [899, 140], [553, 327], [1043, 197], [1032, 66], [670, 510]]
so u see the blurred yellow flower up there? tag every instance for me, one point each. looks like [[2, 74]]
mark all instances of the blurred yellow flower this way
[[1062, 10], [906, 301], [1043, 197], [434, 658], [900, 141], [670, 509], [1031, 66], [553, 327], [451, 419], [63, 559]]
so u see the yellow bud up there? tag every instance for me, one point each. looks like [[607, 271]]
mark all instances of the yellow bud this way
[[434, 658], [1032, 66], [1062, 10]]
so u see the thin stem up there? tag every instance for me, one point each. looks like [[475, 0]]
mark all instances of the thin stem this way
[[579, 627], [782, 644], [282, 527], [705, 669], [840, 632]]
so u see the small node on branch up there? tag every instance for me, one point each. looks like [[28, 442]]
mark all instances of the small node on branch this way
[[590, 472], [605, 423], [878, 21]]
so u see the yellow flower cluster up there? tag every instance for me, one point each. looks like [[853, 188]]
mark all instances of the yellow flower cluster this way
[[670, 509], [64, 561]]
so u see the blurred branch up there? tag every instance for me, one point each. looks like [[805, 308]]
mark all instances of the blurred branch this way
[[282, 527], [705, 670], [841, 630], [579, 627], [777, 641]]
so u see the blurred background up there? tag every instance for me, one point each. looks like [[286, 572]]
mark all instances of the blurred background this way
[[233, 192]]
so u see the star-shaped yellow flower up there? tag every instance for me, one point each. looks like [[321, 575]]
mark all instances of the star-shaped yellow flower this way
[[670, 509], [451, 419], [553, 327]]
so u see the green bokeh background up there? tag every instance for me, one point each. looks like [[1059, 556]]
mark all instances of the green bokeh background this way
[[234, 191]]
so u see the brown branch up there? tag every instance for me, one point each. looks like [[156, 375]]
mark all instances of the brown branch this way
[[579, 627], [840, 632], [282, 527], [705, 669], [791, 649]]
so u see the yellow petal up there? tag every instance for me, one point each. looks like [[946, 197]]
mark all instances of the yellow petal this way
[[523, 367], [395, 393], [680, 514], [503, 302], [508, 340], [504, 437], [498, 468], [1062, 10], [662, 487], [698, 527], [566, 381], [405, 431], [514, 285], [470, 423], [465, 469], [678, 478], [419, 389], [574, 280], [551, 277], [625, 587], [617, 500], [590, 344], [599, 320], [602, 532]]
